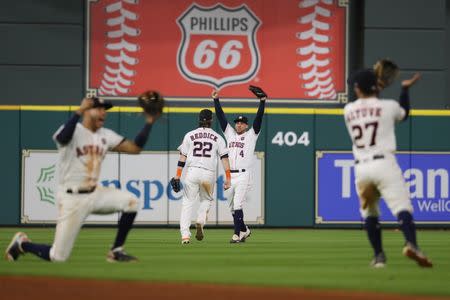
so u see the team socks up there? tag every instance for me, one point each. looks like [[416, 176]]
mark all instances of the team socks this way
[[239, 221], [40, 250], [408, 227], [373, 228], [237, 226], [125, 224]]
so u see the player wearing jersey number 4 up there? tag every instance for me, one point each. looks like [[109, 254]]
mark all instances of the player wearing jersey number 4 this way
[[199, 152], [82, 148], [371, 124], [241, 148]]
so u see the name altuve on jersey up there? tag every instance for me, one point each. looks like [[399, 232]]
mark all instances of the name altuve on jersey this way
[[363, 112]]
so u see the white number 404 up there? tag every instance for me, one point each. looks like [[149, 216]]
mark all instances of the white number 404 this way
[[290, 138]]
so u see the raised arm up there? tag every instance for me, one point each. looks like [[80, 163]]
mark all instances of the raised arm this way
[[404, 95], [65, 135], [262, 96], [259, 115], [219, 111], [136, 146]]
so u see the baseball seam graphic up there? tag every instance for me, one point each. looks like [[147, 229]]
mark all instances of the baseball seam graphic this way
[[120, 48], [314, 50]]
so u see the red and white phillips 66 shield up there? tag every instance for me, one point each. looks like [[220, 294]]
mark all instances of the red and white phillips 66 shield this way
[[218, 45]]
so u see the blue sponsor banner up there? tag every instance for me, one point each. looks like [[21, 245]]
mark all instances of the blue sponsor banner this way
[[426, 175]]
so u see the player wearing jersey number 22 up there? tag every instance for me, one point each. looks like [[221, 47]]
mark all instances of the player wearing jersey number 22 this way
[[199, 152], [371, 125]]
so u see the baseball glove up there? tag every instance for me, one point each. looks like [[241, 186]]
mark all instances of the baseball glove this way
[[386, 71], [257, 91], [151, 102], [176, 184]]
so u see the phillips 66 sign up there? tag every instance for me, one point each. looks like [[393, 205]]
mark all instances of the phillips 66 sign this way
[[295, 49]]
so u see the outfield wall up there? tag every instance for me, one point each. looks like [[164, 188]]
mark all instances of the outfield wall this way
[[289, 160]]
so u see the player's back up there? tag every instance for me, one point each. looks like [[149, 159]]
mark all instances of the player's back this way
[[371, 125], [203, 146]]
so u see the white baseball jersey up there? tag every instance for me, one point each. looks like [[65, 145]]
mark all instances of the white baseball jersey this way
[[371, 125], [202, 146], [80, 160], [241, 147]]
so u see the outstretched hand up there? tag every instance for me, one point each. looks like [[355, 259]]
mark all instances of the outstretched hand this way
[[410, 82], [86, 104], [215, 94]]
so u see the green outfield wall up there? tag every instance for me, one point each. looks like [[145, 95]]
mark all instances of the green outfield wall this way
[[289, 174]]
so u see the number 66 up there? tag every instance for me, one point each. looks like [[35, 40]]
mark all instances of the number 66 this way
[[229, 57]]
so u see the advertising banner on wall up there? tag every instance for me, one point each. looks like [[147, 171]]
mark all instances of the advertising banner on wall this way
[[295, 49], [145, 175], [426, 175]]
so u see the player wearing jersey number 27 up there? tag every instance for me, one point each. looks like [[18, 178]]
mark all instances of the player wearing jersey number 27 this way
[[371, 125], [82, 148]]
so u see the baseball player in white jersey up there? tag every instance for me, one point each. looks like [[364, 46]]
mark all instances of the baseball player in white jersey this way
[[82, 148], [371, 124], [241, 143], [199, 152]]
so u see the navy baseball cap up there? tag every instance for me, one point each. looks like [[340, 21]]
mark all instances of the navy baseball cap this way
[[99, 102], [242, 119], [205, 115], [365, 80]]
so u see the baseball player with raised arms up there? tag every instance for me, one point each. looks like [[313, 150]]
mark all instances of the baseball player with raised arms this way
[[371, 125], [241, 149], [82, 146], [199, 152]]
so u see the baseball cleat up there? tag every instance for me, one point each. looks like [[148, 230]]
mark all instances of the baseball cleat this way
[[199, 235], [14, 249], [379, 261], [243, 235], [235, 239], [185, 241], [118, 255], [415, 254]]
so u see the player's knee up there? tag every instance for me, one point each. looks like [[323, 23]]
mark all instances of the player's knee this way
[[405, 217], [403, 208], [133, 205], [56, 256], [237, 206]]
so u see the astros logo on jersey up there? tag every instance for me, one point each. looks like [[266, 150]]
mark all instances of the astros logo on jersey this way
[[218, 45]]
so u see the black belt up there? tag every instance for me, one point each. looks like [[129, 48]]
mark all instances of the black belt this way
[[237, 171], [81, 191], [378, 156]]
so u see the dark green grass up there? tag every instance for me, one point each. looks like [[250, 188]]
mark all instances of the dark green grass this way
[[335, 259]]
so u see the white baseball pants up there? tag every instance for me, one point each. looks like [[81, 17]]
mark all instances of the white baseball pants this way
[[73, 209], [239, 190], [198, 184], [387, 176]]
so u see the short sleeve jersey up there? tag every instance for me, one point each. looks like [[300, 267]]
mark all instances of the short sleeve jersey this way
[[371, 125], [80, 160], [202, 147], [241, 147]]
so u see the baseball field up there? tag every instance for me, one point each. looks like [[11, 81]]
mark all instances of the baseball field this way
[[282, 263]]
